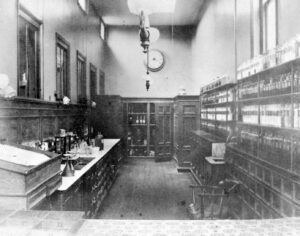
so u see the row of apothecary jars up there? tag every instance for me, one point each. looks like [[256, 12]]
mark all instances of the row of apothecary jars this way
[[288, 51]]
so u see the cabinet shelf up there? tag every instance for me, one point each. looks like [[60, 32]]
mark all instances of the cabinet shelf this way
[[279, 211], [284, 172], [222, 87], [277, 69], [143, 136], [266, 98], [216, 117], [218, 104], [283, 129], [137, 125], [217, 121]]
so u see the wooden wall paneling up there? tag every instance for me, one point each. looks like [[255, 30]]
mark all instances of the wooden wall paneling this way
[[188, 124], [32, 120], [30, 128], [9, 129], [63, 122], [48, 127], [107, 117]]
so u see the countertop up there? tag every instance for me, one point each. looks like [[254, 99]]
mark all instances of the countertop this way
[[209, 137], [67, 182]]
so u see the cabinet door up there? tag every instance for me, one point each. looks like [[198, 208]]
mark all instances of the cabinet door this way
[[164, 114]]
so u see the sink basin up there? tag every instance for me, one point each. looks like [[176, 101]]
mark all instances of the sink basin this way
[[82, 162]]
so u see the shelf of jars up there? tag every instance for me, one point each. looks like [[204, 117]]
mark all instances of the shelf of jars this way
[[217, 113], [140, 129], [269, 115], [266, 156]]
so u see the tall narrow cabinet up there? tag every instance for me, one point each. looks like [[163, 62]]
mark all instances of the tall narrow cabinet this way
[[164, 125], [186, 119]]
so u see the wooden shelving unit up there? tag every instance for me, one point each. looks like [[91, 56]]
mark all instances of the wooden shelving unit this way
[[266, 157], [138, 128], [148, 131], [217, 107]]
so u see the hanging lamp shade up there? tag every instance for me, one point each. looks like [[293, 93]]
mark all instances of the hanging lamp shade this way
[[154, 34]]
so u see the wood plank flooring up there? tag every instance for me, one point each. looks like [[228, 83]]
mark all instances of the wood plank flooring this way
[[148, 190]]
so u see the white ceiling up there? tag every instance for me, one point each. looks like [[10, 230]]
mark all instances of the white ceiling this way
[[116, 12]]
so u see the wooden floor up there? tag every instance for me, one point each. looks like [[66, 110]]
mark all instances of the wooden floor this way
[[145, 189]]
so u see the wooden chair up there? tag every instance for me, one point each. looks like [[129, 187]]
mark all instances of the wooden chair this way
[[214, 197]]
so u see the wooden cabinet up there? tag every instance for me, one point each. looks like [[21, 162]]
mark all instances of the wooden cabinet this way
[[107, 117], [217, 118], [186, 119], [217, 101], [266, 156], [140, 117], [88, 192], [164, 125], [149, 124], [27, 176]]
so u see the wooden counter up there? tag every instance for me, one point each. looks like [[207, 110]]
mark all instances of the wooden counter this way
[[67, 182], [86, 190]]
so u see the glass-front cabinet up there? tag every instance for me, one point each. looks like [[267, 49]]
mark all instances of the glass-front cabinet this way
[[148, 128], [266, 156], [137, 137]]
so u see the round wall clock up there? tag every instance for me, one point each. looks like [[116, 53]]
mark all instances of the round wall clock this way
[[156, 60]]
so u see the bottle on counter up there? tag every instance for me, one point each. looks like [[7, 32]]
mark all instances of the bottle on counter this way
[[99, 141]]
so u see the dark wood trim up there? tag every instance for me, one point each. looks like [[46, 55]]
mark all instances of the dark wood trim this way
[[23, 10], [80, 57], [60, 40], [18, 48], [94, 69], [101, 74], [27, 16]]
